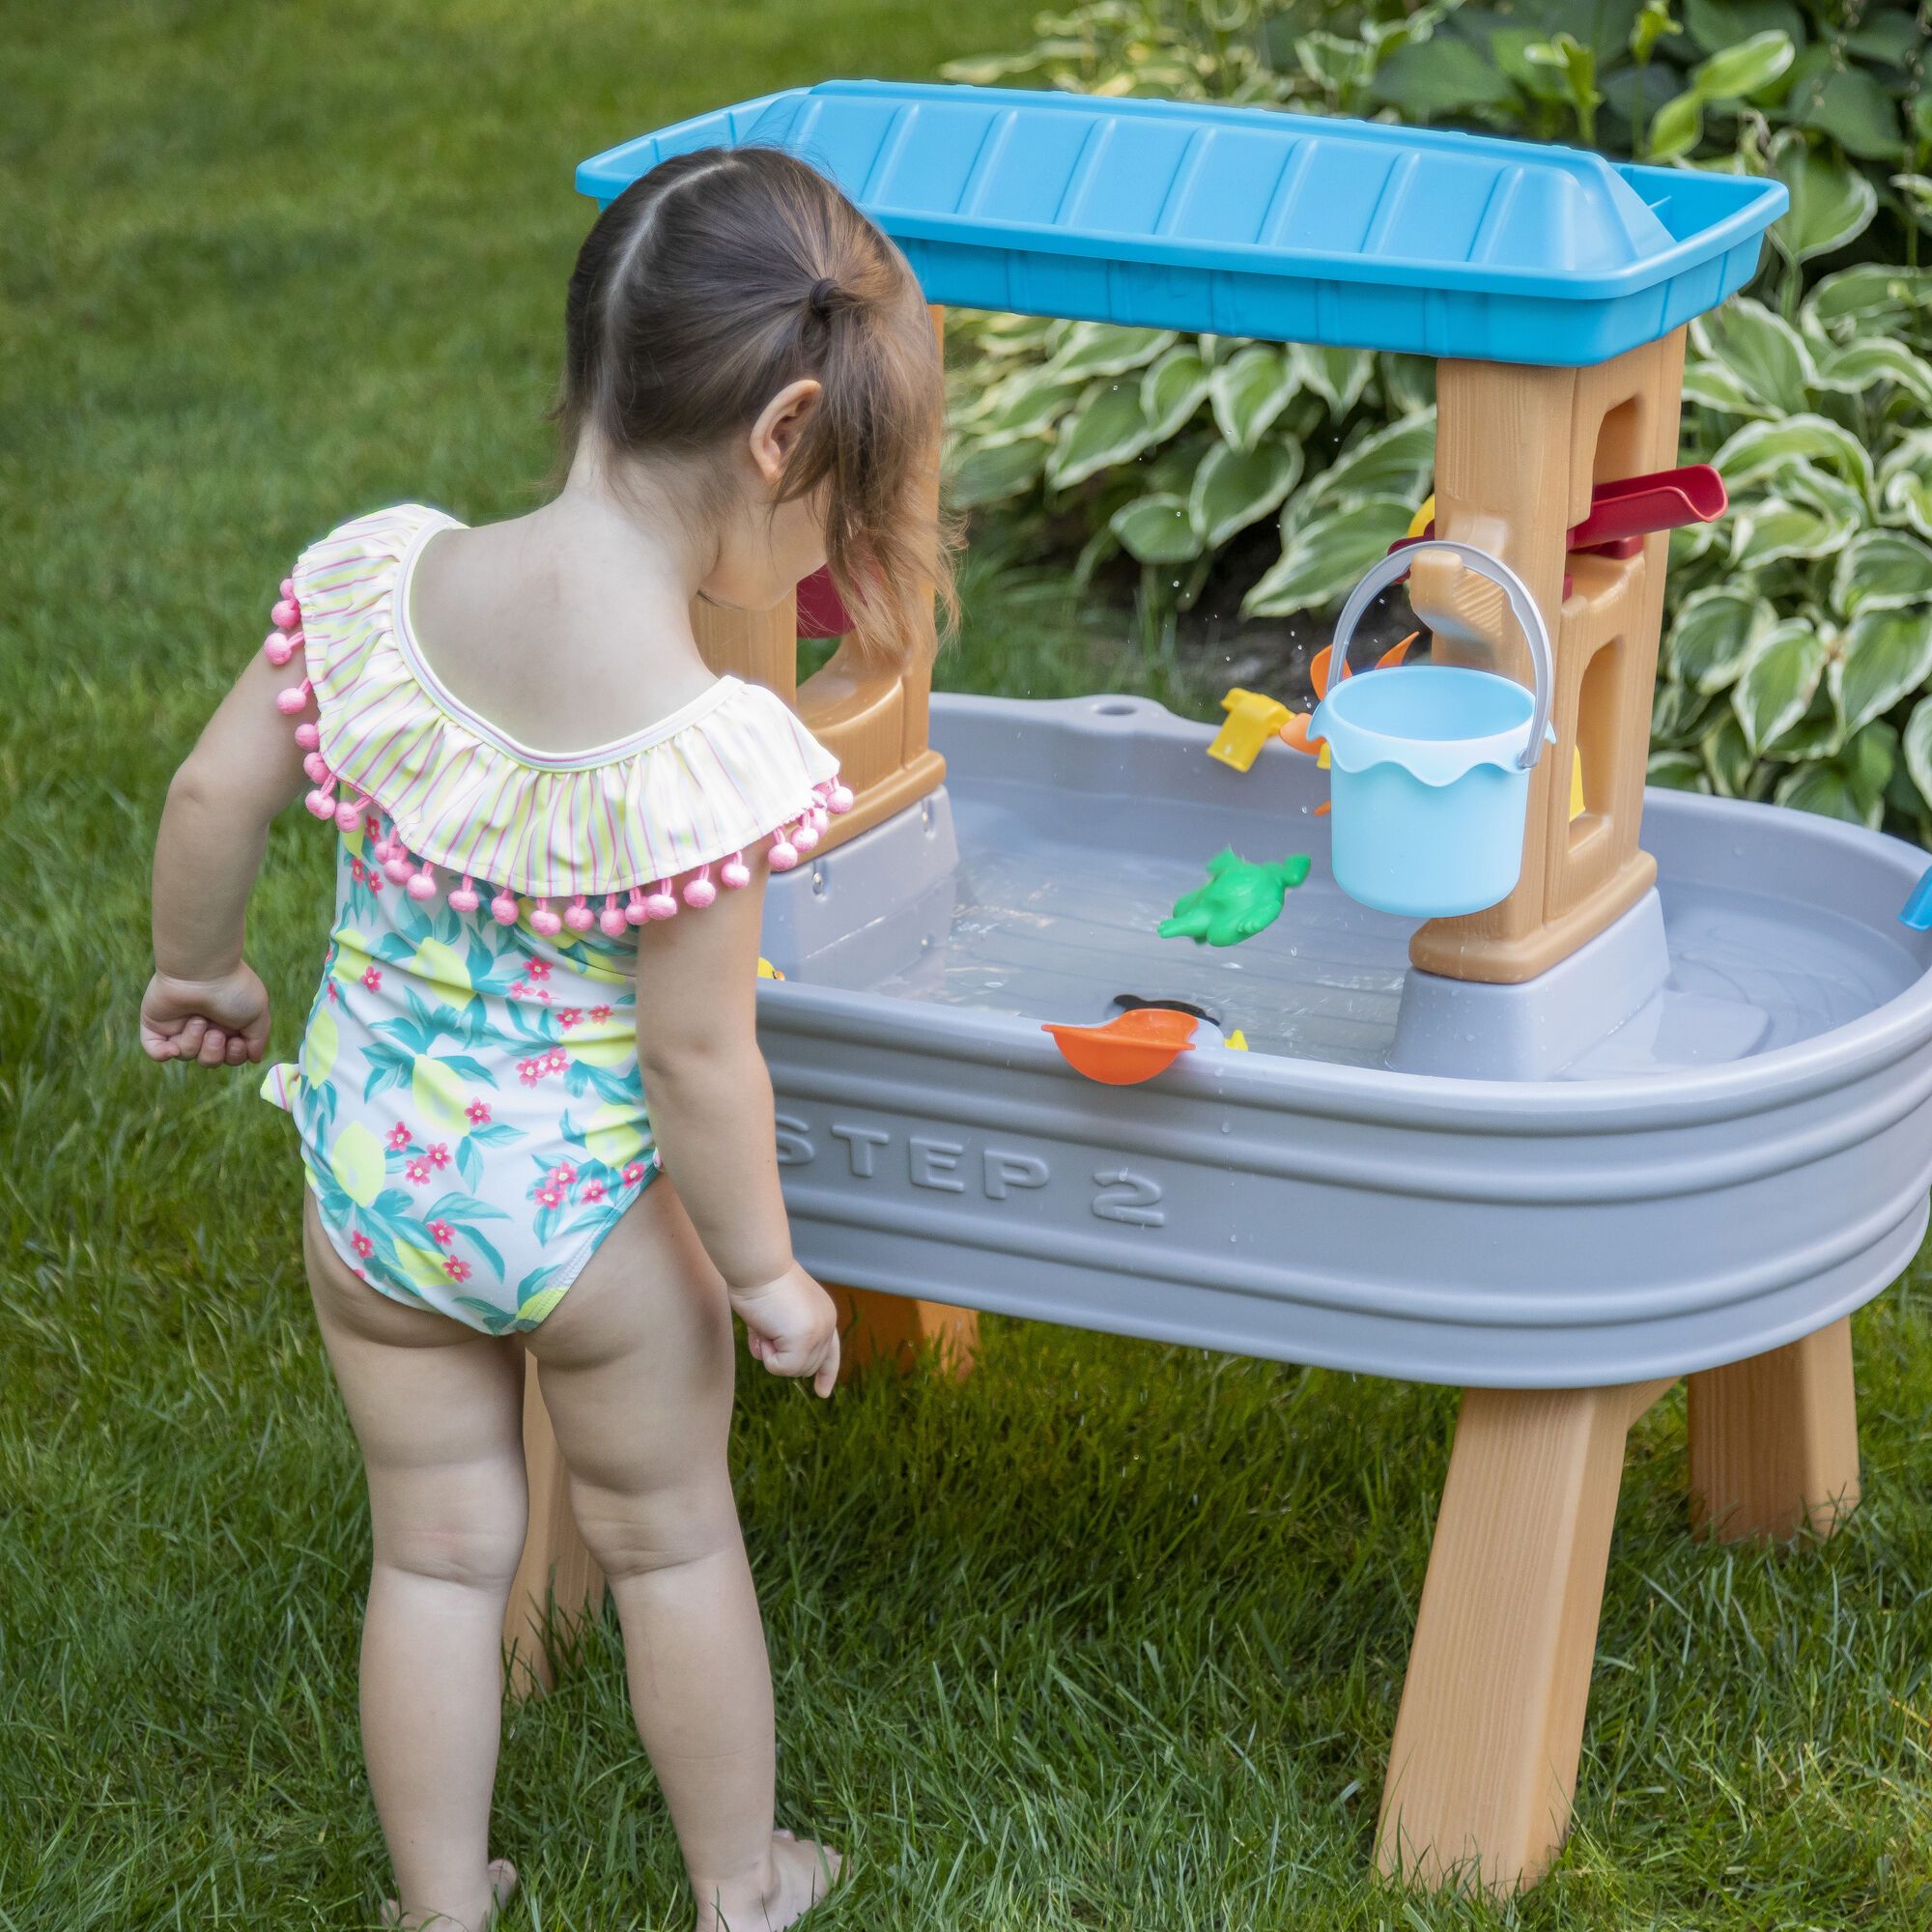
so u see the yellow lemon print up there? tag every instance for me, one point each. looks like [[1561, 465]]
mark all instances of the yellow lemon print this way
[[614, 1135], [439, 965], [357, 1162], [439, 1094], [613, 1042], [422, 1267], [353, 957], [539, 1306], [319, 1047]]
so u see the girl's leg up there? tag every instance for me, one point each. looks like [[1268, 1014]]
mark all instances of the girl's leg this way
[[437, 1410], [636, 1364]]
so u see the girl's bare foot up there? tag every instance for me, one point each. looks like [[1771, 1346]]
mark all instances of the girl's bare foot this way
[[502, 1878], [801, 1874]]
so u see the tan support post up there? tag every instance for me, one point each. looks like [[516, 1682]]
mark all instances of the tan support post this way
[[1775, 1441], [1483, 1765], [1517, 453]]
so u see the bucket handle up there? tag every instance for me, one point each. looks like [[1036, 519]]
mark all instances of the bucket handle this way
[[1522, 606]]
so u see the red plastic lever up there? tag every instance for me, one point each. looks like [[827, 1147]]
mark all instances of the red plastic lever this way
[[821, 610], [1638, 506]]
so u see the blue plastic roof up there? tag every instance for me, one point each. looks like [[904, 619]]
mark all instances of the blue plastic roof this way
[[1247, 222]]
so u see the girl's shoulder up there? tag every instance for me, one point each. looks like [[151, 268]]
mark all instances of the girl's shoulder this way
[[396, 757]]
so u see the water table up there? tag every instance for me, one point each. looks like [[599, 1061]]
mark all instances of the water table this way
[[1660, 1113]]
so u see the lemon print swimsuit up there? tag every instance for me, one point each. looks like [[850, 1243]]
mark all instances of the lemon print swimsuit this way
[[471, 1117]]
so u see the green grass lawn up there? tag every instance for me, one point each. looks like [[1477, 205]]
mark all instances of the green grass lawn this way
[[1109, 1636]]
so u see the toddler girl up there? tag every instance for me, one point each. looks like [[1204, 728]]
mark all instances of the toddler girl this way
[[554, 826]]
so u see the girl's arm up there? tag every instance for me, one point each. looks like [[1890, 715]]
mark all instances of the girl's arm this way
[[710, 1101], [204, 1003]]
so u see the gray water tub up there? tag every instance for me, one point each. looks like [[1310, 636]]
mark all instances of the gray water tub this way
[[1728, 1143]]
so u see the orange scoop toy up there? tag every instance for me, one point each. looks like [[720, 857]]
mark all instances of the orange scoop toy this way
[[1140, 1044]]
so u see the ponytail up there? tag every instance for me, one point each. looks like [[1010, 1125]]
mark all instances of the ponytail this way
[[717, 278]]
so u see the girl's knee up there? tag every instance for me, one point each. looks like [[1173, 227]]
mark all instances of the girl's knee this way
[[476, 1556], [637, 1535]]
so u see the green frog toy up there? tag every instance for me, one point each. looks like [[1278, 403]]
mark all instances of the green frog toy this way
[[1239, 900]]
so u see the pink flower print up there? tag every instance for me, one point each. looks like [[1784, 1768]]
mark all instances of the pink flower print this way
[[600, 1015], [418, 1172], [362, 1245], [376, 882], [438, 1156], [442, 1234], [478, 1114], [538, 969], [541, 994], [333, 995], [373, 826], [569, 1016], [593, 1192], [400, 1137], [358, 871], [518, 991], [530, 1071], [373, 978], [550, 1197], [633, 1173], [555, 1060], [455, 1268], [562, 1174]]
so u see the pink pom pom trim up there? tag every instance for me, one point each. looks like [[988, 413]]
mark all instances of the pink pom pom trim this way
[[543, 921], [285, 616], [503, 908], [277, 648], [659, 902], [734, 872], [295, 698], [578, 916], [783, 856], [611, 920], [464, 898], [699, 891], [422, 884], [636, 912]]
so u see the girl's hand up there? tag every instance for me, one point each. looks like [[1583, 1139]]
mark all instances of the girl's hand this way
[[792, 1327], [211, 1022]]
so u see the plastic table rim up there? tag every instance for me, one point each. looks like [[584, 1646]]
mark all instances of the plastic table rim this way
[[1522, 606]]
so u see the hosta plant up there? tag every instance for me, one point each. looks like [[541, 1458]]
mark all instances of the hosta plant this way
[[1797, 661]]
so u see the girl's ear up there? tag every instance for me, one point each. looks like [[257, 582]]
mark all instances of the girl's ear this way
[[779, 425]]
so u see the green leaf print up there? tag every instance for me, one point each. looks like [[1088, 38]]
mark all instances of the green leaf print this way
[[456, 1205], [482, 1247], [468, 1162], [487, 1315]]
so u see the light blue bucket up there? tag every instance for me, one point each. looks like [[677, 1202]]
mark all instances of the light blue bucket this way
[[1430, 763]]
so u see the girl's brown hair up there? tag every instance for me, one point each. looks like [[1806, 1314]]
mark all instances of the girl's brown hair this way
[[716, 280]]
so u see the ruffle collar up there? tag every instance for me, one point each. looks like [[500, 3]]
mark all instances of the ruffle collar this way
[[389, 745]]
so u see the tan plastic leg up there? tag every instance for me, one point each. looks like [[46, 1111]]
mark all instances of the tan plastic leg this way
[[556, 1567], [897, 1330], [1483, 1763], [1775, 1441]]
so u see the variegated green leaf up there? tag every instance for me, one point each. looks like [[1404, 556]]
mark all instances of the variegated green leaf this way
[[1026, 404], [1827, 789], [1157, 530], [981, 476], [1716, 634], [1677, 770], [1766, 355], [1110, 428], [1234, 488], [1707, 381], [1105, 349], [1871, 293], [1679, 715], [1173, 388], [1918, 746], [1905, 483], [1727, 758], [1770, 529], [1831, 201], [1320, 561], [1882, 570], [1759, 449], [1774, 689], [1853, 367], [1393, 462], [1249, 390], [1885, 655], [1338, 376]]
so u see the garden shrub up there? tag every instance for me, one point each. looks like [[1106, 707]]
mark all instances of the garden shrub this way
[[1799, 642]]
